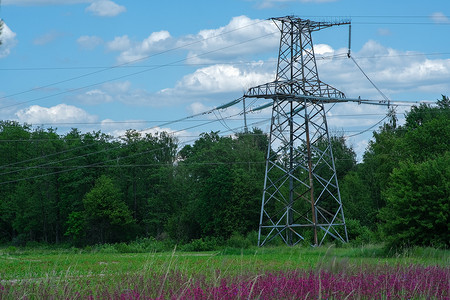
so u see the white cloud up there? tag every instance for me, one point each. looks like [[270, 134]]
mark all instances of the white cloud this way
[[134, 51], [94, 97], [323, 49], [393, 72], [223, 79], [60, 113], [89, 42], [105, 8], [120, 43], [238, 39], [439, 17], [197, 107], [9, 41]]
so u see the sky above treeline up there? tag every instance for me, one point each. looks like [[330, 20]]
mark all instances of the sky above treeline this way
[[116, 65]]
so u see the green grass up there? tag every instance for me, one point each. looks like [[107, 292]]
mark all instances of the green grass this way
[[36, 272], [43, 263]]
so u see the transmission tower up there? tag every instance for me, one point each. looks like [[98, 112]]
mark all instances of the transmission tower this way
[[301, 199]]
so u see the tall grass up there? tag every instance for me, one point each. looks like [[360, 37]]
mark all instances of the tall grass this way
[[253, 273], [382, 282]]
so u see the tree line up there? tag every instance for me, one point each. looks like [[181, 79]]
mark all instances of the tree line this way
[[88, 188]]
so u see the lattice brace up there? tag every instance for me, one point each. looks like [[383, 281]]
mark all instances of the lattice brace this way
[[296, 60], [282, 173], [329, 212], [286, 204], [301, 199]]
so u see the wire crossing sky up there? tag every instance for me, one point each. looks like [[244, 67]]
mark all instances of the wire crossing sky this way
[[116, 65]]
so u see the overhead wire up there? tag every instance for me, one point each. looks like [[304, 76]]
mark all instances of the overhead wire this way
[[134, 61], [184, 60], [103, 150], [89, 165], [135, 73], [72, 168], [143, 130], [322, 57]]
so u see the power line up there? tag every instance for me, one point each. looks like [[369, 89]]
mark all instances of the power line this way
[[334, 56], [134, 61], [80, 167], [104, 150], [164, 124], [135, 73], [99, 164]]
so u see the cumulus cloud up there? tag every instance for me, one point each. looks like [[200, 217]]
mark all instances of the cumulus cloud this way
[[223, 79], [61, 113], [89, 42], [134, 51], [198, 107], [9, 41], [105, 8], [94, 97], [120, 43], [323, 49], [240, 38], [393, 71]]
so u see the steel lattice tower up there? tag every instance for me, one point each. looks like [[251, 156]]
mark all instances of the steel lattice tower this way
[[301, 199]]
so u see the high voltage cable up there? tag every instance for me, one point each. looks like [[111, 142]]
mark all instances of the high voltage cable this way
[[126, 64], [134, 61], [85, 166], [186, 119], [132, 155], [410, 103], [364, 131], [109, 149], [135, 73], [103, 150], [334, 56], [99, 164], [163, 124]]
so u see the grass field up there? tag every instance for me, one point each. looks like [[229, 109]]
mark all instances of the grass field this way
[[254, 273]]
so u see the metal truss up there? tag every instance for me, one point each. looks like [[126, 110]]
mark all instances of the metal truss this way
[[301, 199]]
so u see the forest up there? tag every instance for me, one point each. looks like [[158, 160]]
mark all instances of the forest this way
[[89, 188]]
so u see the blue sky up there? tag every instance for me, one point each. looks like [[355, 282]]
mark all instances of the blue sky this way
[[116, 65]]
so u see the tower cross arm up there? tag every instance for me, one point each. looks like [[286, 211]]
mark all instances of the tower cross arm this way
[[313, 25]]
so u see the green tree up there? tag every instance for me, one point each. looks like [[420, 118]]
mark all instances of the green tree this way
[[145, 168], [106, 214], [224, 178], [13, 150], [418, 204]]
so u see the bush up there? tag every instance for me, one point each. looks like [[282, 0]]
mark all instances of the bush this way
[[418, 204], [358, 234], [238, 241], [207, 244]]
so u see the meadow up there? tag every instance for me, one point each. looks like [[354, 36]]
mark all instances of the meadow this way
[[329, 272]]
